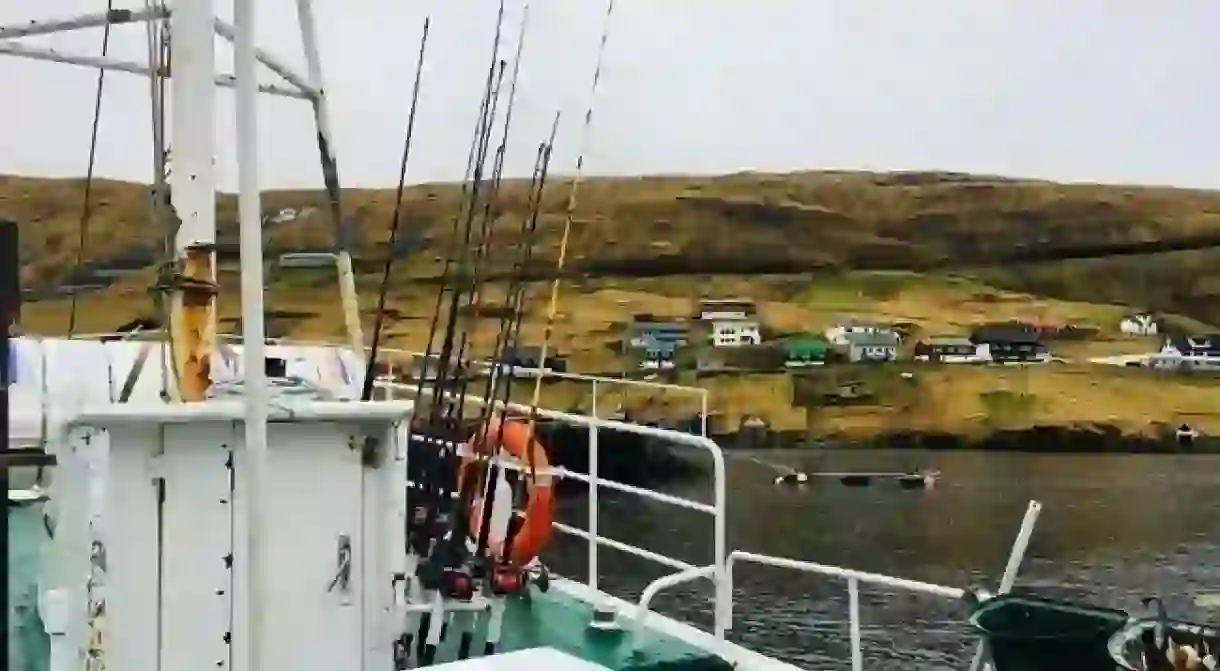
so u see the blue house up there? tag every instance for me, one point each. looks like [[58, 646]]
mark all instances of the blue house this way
[[646, 330], [658, 354]]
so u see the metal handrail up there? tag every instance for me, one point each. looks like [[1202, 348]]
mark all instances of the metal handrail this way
[[854, 578], [717, 511]]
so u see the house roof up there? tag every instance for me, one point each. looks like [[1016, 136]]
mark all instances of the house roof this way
[[866, 323], [1005, 333], [872, 339], [949, 341], [662, 324], [804, 346]]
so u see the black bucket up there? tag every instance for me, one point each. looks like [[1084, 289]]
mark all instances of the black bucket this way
[[1028, 633]]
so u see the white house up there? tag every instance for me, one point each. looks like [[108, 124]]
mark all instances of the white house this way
[[1140, 324], [727, 308], [841, 333], [872, 347], [735, 332]]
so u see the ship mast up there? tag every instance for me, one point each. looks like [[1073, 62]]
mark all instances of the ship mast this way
[[193, 202]]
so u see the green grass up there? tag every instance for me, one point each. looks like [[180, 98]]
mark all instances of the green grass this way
[[816, 247]]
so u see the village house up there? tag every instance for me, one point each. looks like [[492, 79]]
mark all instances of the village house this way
[[1009, 343], [527, 361], [867, 347], [645, 330], [1139, 324], [732, 321], [735, 332], [803, 351], [1181, 351], [948, 349], [659, 355], [839, 333], [718, 309]]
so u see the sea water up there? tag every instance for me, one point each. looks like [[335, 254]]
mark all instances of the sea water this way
[[29, 647]]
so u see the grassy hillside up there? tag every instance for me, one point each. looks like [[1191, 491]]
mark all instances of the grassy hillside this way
[[940, 250]]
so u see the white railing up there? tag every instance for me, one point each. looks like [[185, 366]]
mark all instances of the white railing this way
[[717, 570], [853, 578], [720, 571]]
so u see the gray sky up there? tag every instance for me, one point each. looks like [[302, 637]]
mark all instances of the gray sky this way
[[1092, 90]]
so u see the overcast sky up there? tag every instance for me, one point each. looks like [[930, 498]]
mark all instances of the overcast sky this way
[[1089, 90]]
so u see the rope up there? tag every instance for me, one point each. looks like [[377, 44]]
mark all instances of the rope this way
[[567, 222], [87, 210]]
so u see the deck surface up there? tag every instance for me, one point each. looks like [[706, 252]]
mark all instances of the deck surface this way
[[559, 621]]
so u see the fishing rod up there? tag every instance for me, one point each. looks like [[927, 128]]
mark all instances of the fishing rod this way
[[499, 388], [370, 369], [424, 474], [549, 328], [468, 486], [446, 555], [465, 262], [497, 174]]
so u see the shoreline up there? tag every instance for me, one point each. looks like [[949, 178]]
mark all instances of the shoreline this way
[[1084, 438]]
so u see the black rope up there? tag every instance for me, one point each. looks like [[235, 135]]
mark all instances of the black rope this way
[[370, 370], [87, 209]]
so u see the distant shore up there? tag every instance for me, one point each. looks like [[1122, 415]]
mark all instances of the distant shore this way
[[1046, 439]]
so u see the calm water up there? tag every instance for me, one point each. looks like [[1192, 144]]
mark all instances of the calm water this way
[[1113, 529]]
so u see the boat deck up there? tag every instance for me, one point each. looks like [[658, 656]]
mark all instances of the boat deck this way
[[560, 621]]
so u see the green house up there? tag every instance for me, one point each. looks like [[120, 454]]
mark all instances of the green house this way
[[807, 350]]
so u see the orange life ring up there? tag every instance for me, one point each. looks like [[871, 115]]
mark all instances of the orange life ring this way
[[514, 436]]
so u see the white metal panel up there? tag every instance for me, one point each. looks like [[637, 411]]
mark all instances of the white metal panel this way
[[197, 537], [315, 495], [123, 355], [129, 532], [385, 543]]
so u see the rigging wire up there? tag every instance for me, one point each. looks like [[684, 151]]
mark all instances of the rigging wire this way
[[367, 391], [158, 56], [549, 328], [87, 209]]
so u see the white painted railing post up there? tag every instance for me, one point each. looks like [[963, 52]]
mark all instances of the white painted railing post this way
[[1009, 578], [724, 592], [593, 492], [703, 413], [853, 605]]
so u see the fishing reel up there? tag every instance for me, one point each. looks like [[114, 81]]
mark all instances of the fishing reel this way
[[456, 584], [505, 580]]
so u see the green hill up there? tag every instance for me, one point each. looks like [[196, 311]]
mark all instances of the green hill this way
[[940, 250]]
